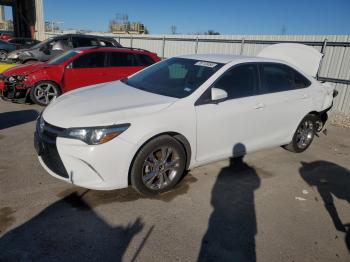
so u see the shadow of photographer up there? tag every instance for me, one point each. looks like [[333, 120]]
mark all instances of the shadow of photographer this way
[[232, 225], [62, 232], [332, 181]]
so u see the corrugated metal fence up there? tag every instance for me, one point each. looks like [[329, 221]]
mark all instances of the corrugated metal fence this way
[[335, 66]]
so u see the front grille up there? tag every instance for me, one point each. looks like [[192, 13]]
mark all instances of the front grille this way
[[49, 153], [50, 132], [53, 160]]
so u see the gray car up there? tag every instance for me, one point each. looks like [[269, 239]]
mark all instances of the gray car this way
[[57, 45]]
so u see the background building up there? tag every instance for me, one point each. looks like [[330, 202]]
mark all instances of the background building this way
[[122, 25], [28, 18], [5, 25]]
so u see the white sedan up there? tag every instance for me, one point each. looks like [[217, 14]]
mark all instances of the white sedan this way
[[180, 113]]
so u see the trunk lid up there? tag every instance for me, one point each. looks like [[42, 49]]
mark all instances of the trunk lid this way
[[304, 57]]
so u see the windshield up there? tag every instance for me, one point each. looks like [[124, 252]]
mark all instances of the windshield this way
[[175, 77], [41, 44], [57, 60]]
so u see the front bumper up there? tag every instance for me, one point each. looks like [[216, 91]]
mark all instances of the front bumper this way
[[14, 92], [102, 167]]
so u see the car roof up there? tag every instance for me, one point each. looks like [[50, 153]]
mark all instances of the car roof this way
[[82, 35], [111, 49], [225, 59]]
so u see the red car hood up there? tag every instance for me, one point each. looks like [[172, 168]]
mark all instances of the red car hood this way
[[26, 69]]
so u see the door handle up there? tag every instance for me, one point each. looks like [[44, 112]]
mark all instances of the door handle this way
[[259, 106]]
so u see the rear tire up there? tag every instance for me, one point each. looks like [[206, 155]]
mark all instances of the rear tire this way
[[303, 136], [158, 166], [43, 92]]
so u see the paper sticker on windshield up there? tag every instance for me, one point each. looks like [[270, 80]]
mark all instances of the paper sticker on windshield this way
[[206, 64], [188, 89]]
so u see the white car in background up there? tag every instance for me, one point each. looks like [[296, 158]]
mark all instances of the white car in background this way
[[180, 113]]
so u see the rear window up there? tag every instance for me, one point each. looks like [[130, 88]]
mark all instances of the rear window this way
[[145, 60]]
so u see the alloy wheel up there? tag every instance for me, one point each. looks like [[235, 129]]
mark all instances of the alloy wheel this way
[[45, 92], [160, 168], [305, 134]]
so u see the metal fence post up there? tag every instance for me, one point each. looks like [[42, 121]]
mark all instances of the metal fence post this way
[[163, 47], [119, 39], [131, 41], [242, 46], [196, 46]]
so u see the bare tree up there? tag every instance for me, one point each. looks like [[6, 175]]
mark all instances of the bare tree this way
[[173, 29], [211, 32], [283, 30]]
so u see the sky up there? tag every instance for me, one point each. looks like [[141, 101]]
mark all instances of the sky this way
[[193, 16]]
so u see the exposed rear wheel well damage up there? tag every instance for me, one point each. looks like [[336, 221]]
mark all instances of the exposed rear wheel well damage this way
[[321, 118], [180, 138]]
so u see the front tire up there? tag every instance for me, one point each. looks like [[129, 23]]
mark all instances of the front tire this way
[[43, 92], [303, 136], [158, 166]]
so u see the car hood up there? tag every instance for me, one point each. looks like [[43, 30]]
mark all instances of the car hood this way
[[26, 69], [14, 54], [103, 104]]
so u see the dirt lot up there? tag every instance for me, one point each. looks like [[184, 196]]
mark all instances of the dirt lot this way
[[274, 206]]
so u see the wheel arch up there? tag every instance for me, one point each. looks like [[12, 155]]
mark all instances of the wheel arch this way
[[179, 137], [29, 59], [322, 116]]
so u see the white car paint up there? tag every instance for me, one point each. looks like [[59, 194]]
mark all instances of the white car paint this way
[[211, 130]]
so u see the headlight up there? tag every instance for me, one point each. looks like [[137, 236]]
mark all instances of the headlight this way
[[16, 79], [96, 135], [11, 79], [13, 55]]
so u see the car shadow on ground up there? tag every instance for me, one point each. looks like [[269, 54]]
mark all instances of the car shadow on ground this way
[[232, 225], [332, 181], [14, 118], [63, 232]]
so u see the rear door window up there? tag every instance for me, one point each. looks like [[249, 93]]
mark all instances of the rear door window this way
[[84, 41], [90, 60], [279, 78], [122, 59]]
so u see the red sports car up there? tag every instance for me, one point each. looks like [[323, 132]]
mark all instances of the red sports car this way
[[41, 82]]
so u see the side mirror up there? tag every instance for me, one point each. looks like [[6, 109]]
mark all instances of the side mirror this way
[[218, 95]]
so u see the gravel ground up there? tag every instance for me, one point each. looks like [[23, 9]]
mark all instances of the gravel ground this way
[[340, 119], [272, 206]]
